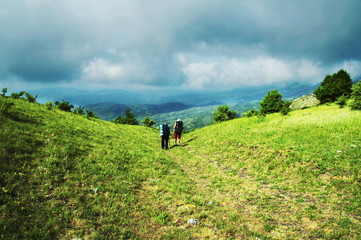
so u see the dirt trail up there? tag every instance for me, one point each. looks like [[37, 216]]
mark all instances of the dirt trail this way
[[225, 188], [226, 202]]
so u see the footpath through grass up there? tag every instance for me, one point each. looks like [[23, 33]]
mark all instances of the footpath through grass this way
[[293, 177], [66, 177]]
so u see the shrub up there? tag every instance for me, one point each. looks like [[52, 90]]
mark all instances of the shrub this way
[[355, 103], [148, 122], [334, 86], [64, 105], [30, 98], [49, 105], [252, 112], [285, 110], [5, 106], [129, 118], [223, 113], [272, 102], [17, 95], [4, 91], [286, 107], [90, 114], [79, 110], [342, 101]]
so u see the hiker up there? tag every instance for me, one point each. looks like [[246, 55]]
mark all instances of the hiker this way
[[164, 134], [178, 129]]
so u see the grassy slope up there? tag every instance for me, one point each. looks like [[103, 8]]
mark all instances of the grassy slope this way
[[288, 177], [295, 177], [64, 176]]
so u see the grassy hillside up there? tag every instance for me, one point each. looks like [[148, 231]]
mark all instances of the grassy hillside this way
[[283, 177]]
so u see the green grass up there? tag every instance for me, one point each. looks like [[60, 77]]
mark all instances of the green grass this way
[[282, 177]]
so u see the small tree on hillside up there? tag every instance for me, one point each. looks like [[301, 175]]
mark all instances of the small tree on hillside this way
[[17, 95], [286, 107], [64, 105], [79, 110], [334, 86], [4, 91], [31, 98], [49, 105], [148, 122], [356, 96], [129, 118], [90, 114], [223, 113], [252, 112], [342, 101], [272, 102]]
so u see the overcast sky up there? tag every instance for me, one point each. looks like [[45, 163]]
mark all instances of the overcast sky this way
[[188, 44]]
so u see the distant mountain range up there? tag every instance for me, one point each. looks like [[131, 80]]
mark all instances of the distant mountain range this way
[[197, 107]]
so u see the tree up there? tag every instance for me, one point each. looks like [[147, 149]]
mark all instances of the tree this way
[[64, 105], [223, 113], [342, 101], [356, 96], [49, 105], [148, 122], [90, 114], [17, 95], [252, 112], [4, 91], [334, 86], [272, 102], [79, 110], [286, 107], [30, 98], [129, 118]]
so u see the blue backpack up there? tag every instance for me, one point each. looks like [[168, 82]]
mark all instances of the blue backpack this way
[[166, 131]]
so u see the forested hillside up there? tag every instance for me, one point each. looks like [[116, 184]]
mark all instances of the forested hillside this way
[[66, 176]]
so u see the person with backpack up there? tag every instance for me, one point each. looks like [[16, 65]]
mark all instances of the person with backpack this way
[[178, 129], [164, 134]]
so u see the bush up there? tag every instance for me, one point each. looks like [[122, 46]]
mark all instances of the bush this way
[[355, 103], [90, 114], [272, 102], [5, 90], [129, 118], [30, 98], [223, 113], [148, 122], [252, 112], [17, 95], [79, 110], [49, 105], [64, 105], [5, 106], [285, 110], [334, 86], [342, 101], [286, 107]]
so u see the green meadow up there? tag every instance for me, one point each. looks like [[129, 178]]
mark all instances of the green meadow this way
[[64, 176]]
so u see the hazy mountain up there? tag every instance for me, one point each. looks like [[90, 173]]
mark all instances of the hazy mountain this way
[[110, 111], [197, 107], [193, 98]]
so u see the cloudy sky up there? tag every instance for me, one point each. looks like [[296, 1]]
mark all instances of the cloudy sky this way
[[185, 44]]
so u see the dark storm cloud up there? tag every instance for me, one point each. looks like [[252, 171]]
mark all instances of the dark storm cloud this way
[[185, 43], [327, 30]]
